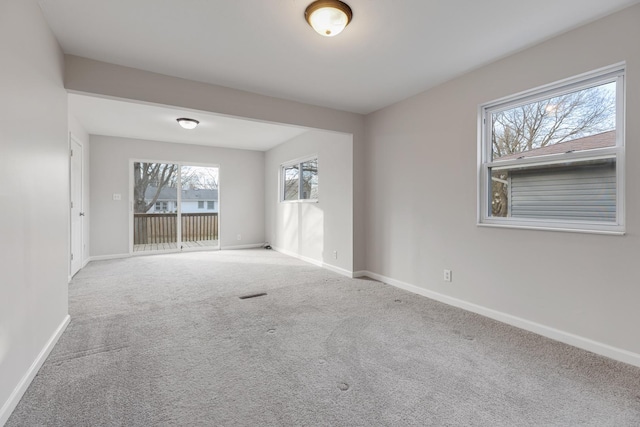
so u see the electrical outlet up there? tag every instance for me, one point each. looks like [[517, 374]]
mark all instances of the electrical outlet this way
[[239, 236], [117, 196], [447, 275], [335, 254]]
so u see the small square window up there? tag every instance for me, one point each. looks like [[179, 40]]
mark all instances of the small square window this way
[[200, 204]]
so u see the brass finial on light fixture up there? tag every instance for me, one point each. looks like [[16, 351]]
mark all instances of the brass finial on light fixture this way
[[328, 17], [188, 123]]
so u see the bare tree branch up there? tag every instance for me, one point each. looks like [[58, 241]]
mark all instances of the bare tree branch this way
[[156, 175], [550, 121]]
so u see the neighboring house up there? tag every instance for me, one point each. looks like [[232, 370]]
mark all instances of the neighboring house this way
[[192, 201], [585, 192], [600, 140]]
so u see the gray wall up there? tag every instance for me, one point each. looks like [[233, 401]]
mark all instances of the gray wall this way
[[34, 220], [241, 189], [421, 175], [313, 231]]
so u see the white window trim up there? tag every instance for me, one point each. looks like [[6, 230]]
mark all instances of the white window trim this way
[[485, 164], [294, 162]]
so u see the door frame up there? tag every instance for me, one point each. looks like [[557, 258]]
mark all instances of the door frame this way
[[78, 255], [179, 247]]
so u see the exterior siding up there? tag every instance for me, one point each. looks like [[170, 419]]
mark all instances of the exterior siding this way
[[586, 193]]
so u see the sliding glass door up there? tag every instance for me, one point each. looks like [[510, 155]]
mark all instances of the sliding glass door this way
[[168, 220]]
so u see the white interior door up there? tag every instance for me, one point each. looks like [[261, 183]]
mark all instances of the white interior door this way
[[77, 212]]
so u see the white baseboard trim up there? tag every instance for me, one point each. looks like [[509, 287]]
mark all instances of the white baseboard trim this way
[[298, 256], [21, 388], [537, 328], [107, 257], [120, 256], [322, 264], [235, 247], [338, 270]]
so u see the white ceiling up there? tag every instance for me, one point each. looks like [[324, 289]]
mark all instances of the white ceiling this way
[[393, 49], [101, 116]]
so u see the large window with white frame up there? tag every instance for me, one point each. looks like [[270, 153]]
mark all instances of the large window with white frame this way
[[299, 180], [553, 157]]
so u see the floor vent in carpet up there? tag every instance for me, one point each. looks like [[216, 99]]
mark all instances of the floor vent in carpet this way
[[253, 295]]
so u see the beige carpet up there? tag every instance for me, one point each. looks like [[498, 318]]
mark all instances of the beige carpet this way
[[166, 341]]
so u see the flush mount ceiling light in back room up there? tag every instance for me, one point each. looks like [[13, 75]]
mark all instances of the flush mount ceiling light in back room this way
[[187, 123]]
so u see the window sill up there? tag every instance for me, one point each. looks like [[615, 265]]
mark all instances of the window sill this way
[[564, 229], [300, 201]]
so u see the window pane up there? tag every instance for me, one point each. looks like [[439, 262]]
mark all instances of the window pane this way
[[310, 180], [576, 121], [291, 183], [499, 194], [199, 227], [576, 191], [155, 188]]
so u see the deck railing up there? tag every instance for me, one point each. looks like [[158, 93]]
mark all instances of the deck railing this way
[[162, 228]]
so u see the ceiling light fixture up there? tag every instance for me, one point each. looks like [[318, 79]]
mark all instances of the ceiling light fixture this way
[[187, 123], [328, 17]]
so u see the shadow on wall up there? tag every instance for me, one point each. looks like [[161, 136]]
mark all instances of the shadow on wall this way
[[302, 229]]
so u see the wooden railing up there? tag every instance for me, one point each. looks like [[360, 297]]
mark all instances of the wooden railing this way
[[199, 226], [162, 228]]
